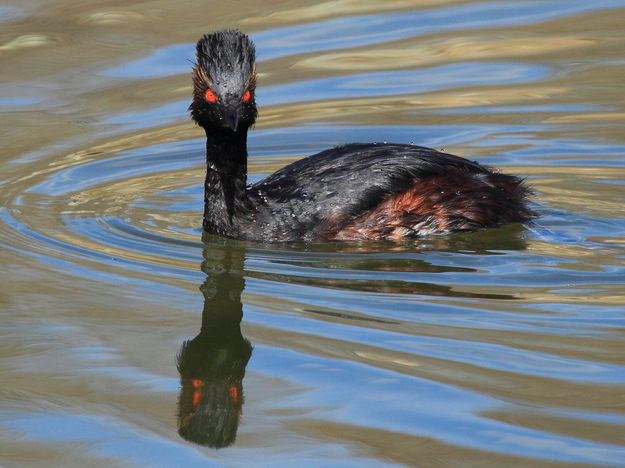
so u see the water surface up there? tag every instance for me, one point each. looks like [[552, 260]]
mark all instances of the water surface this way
[[128, 339]]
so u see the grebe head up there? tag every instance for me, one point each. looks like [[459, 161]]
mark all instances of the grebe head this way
[[224, 80]]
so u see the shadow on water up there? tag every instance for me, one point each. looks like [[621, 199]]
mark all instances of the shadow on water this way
[[212, 365]]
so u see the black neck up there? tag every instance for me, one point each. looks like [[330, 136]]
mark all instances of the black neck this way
[[225, 197]]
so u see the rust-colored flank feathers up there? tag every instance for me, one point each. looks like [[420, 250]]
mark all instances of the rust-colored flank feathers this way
[[438, 205]]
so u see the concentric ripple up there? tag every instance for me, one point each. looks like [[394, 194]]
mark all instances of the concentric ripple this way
[[481, 323]]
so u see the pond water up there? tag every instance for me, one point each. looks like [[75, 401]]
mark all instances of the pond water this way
[[130, 340]]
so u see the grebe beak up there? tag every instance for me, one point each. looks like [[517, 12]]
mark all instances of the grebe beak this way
[[232, 118]]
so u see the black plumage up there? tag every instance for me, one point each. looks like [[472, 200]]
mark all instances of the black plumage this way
[[356, 191]]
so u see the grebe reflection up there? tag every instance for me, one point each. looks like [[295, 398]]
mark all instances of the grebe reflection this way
[[212, 365]]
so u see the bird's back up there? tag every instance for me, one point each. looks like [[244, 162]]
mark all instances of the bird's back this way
[[361, 191]]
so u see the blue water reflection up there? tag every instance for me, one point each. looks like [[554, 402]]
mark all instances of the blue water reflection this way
[[354, 31]]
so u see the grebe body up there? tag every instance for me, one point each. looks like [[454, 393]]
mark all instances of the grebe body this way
[[358, 191]]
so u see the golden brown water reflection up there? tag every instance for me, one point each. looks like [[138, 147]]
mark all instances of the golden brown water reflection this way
[[497, 348]]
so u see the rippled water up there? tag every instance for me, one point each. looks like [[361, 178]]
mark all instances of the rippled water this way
[[129, 340]]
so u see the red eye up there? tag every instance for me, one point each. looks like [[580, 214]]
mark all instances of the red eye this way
[[247, 95], [210, 95]]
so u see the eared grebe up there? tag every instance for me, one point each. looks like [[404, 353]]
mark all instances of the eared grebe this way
[[352, 192]]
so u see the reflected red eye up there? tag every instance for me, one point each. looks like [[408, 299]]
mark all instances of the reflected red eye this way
[[234, 394], [247, 95], [210, 95]]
